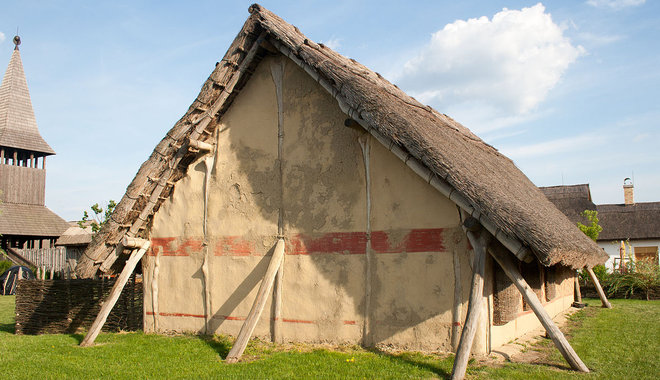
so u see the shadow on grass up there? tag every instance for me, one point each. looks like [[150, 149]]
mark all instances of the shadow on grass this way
[[418, 360], [219, 344], [8, 327]]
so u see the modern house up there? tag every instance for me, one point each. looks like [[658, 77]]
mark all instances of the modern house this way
[[637, 225]]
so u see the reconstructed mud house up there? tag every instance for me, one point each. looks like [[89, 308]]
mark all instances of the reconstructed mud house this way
[[371, 195]]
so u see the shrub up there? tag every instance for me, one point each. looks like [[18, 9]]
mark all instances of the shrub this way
[[4, 265], [601, 273], [641, 275]]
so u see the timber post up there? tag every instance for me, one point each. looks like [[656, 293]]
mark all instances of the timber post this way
[[599, 288], [480, 246], [139, 246], [510, 268], [258, 305]]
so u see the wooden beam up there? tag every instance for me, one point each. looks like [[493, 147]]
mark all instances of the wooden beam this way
[[277, 308], [200, 145], [258, 305], [578, 294], [599, 289], [506, 262], [115, 292], [474, 306]]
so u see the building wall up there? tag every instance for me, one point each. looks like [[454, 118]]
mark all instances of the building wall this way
[[369, 253], [399, 284], [611, 247]]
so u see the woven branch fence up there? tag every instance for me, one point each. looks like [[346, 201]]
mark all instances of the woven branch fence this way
[[67, 306]]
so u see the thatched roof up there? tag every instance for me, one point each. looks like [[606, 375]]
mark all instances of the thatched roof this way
[[18, 126], [30, 220], [635, 221], [572, 200], [490, 185], [75, 235]]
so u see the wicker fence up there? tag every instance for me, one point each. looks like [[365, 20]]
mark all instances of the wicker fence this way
[[66, 306]]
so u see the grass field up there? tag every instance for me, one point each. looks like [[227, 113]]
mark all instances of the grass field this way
[[620, 343]]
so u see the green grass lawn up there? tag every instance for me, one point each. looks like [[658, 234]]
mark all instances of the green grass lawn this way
[[620, 343]]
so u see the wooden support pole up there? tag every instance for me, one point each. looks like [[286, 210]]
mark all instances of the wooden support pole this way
[[505, 260], [110, 302], [277, 308], [578, 294], [474, 306], [599, 289], [258, 305]]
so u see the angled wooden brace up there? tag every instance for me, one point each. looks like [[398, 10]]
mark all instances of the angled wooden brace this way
[[140, 246]]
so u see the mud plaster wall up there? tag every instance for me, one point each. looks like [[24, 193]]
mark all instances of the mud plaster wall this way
[[414, 230]]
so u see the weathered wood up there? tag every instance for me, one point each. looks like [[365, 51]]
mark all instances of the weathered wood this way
[[510, 268], [457, 317], [277, 307], [480, 246], [599, 289], [578, 293], [258, 305], [115, 293], [200, 145]]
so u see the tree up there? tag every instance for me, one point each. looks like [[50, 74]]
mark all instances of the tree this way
[[95, 221], [593, 229]]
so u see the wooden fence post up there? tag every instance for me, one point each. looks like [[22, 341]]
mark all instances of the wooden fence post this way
[[510, 268], [599, 289], [109, 303]]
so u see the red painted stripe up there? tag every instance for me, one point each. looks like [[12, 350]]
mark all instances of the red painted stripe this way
[[296, 321], [162, 314], [233, 246], [418, 240], [457, 323], [350, 322], [351, 243]]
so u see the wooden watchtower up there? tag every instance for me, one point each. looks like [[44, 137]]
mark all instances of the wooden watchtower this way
[[25, 222]]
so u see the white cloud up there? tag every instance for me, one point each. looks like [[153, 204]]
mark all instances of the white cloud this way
[[333, 43], [615, 4], [568, 144], [506, 65], [2, 37]]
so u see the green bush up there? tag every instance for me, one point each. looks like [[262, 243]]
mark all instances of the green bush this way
[[4, 265], [640, 276], [601, 273]]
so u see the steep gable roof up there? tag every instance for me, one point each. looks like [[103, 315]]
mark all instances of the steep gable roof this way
[[472, 173], [18, 126], [572, 200]]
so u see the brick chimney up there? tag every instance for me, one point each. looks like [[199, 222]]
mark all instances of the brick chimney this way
[[628, 188]]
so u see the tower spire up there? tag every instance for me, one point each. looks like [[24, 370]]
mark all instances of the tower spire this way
[[17, 41]]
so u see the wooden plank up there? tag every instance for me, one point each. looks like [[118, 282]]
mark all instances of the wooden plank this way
[[503, 257], [109, 303], [599, 289], [258, 305], [277, 308], [474, 306]]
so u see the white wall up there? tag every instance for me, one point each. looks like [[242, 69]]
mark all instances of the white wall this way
[[612, 248]]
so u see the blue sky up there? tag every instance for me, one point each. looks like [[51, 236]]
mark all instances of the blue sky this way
[[570, 90]]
